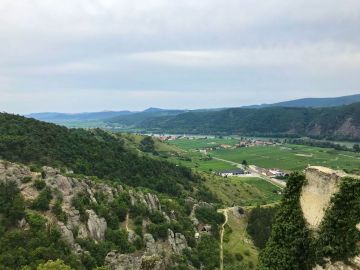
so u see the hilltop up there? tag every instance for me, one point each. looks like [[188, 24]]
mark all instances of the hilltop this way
[[93, 152]]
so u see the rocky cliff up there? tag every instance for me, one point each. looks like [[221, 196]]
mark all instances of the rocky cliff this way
[[322, 184]]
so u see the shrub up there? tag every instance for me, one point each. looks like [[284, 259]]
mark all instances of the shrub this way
[[58, 212], [43, 200], [39, 184], [26, 179]]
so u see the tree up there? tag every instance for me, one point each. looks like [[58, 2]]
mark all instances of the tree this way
[[260, 224], [43, 200], [356, 147], [289, 245], [244, 162], [54, 265], [147, 145]]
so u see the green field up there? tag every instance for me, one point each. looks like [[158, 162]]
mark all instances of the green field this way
[[193, 144], [194, 159], [287, 157], [243, 191], [292, 157]]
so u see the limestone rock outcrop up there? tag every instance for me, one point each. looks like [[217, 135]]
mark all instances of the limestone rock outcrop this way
[[117, 261], [321, 184], [96, 226], [156, 255], [177, 242]]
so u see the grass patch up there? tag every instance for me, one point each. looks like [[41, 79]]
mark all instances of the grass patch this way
[[239, 242], [244, 191]]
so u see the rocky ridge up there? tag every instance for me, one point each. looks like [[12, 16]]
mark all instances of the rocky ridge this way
[[156, 255]]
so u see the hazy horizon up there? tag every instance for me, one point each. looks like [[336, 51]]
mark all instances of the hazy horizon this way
[[172, 108], [95, 55]]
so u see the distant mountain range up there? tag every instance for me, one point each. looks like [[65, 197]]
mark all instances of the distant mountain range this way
[[55, 117], [315, 117], [341, 122], [312, 102]]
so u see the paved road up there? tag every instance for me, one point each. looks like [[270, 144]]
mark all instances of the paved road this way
[[255, 173]]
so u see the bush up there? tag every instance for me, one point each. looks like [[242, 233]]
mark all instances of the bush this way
[[26, 179], [43, 200], [209, 215], [35, 220], [12, 204], [58, 212], [120, 239], [39, 184], [157, 217], [53, 265], [239, 257]]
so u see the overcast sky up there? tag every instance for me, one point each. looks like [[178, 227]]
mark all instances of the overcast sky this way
[[91, 55]]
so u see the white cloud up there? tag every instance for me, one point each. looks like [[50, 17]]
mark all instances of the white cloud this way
[[324, 55]]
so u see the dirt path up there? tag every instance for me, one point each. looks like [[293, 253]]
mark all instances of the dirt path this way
[[127, 222], [225, 213]]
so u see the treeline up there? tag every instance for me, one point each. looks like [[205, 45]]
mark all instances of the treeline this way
[[341, 122], [324, 144], [93, 152]]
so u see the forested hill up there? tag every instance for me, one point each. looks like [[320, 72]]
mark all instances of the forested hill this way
[[313, 102], [94, 152], [341, 122]]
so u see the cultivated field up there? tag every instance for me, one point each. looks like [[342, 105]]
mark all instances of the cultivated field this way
[[292, 157], [287, 157]]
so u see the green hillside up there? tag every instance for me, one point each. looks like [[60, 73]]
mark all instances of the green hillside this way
[[341, 122], [93, 152]]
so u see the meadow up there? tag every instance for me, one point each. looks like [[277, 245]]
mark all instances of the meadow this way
[[238, 242], [243, 191]]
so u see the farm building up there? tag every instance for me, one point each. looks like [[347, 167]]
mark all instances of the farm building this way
[[234, 172]]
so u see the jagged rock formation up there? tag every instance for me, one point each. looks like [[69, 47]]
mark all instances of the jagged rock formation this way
[[155, 255], [96, 226], [117, 261], [321, 184], [177, 241]]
